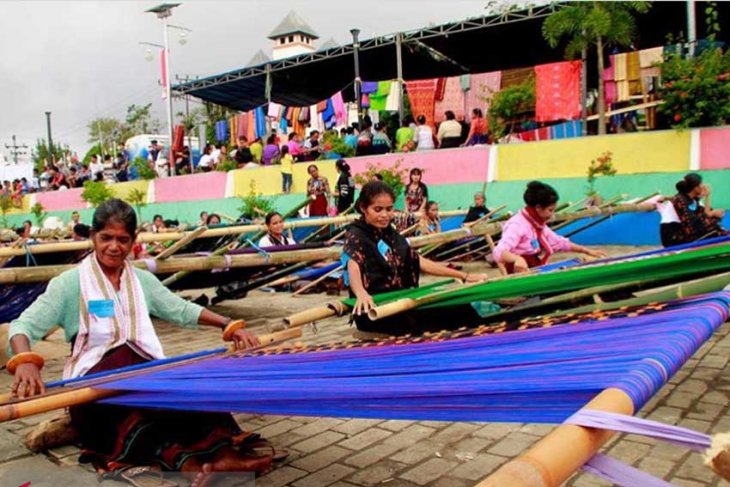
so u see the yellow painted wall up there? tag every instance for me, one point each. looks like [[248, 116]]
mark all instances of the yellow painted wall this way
[[121, 190], [268, 179], [665, 151], [24, 209]]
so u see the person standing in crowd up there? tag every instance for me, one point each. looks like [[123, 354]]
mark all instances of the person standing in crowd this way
[[319, 187], [203, 219], [429, 222], [416, 192], [345, 190], [96, 168], [365, 139], [690, 220], [275, 232], [526, 240], [381, 141], [477, 128], [404, 140], [423, 135], [242, 155], [478, 210], [350, 138], [287, 163], [58, 180], [271, 152], [206, 163], [83, 175], [75, 220], [294, 145], [257, 150], [449, 133], [153, 153], [311, 148]]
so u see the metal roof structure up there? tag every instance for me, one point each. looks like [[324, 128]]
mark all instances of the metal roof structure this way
[[481, 44], [293, 23]]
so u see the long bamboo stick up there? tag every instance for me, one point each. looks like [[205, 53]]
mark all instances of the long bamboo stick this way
[[335, 308], [552, 460], [603, 219], [181, 243], [316, 281], [74, 397], [570, 216]]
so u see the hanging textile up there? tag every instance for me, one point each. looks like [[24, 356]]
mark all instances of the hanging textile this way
[[620, 69], [283, 126], [274, 110], [421, 95], [465, 81], [609, 85], [633, 72], [557, 91], [393, 102], [221, 131], [233, 136], [379, 98], [261, 127], [440, 87], [321, 106], [482, 87], [340, 111], [365, 101], [452, 99], [517, 76], [297, 125], [328, 115], [368, 87], [566, 130], [648, 59], [242, 125], [351, 113], [202, 136], [178, 138]]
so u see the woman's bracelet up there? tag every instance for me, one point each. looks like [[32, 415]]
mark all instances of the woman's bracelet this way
[[231, 328], [24, 358]]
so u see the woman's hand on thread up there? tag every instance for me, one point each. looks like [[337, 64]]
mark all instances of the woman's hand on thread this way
[[363, 304], [27, 381], [243, 339], [598, 254]]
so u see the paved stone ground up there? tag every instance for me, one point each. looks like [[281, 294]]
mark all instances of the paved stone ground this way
[[356, 452]]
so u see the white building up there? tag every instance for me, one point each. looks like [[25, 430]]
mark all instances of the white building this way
[[292, 37]]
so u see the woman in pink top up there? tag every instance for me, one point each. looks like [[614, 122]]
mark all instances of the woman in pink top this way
[[526, 239]]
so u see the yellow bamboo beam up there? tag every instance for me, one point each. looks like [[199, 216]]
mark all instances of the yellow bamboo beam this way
[[74, 397], [335, 308], [552, 460], [181, 243]]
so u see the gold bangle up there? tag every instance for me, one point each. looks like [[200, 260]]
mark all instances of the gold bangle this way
[[232, 328], [24, 358]]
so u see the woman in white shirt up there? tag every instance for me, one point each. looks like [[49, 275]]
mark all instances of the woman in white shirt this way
[[275, 232], [423, 135]]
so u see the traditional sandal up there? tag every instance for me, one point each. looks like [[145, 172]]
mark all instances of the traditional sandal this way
[[146, 477]]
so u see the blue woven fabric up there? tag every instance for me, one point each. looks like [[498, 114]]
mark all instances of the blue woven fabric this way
[[539, 375]]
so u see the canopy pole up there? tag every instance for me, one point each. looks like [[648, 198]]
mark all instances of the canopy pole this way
[[399, 71], [552, 460], [358, 82]]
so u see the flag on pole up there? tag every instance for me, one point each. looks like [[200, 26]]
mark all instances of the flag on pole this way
[[163, 71]]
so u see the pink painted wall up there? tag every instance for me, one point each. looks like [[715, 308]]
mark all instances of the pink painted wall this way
[[206, 186], [715, 148], [442, 166], [61, 200]]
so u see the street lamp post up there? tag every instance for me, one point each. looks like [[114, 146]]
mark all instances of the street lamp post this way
[[164, 11], [358, 82]]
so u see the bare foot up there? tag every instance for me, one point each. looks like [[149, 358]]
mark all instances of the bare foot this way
[[230, 460]]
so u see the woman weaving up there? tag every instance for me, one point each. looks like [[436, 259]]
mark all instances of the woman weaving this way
[[526, 240], [378, 259], [104, 307]]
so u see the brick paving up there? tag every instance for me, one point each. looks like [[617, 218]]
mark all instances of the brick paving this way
[[365, 452]]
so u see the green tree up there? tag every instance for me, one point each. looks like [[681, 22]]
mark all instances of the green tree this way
[[96, 192], [509, 106], [137, 198], [106, 133], [40, 154], [139, 121], [39, 213], [593, 24]]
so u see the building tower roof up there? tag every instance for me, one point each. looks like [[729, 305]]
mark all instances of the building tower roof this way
[[292, 24]]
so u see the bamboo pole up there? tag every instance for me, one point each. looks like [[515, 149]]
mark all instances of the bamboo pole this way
[[181, 243], [18, 244], [84, 394], [552, 460], [315, 233], [317, 281], [603, 219], [570, 217], [500, 265], [335, 308]]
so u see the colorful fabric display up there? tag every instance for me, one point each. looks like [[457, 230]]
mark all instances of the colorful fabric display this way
[[250, 126], [365, 101], [178, 139], [453, 99], [566, 130], [465, 80], [393, 102], [648, 58], [557, 91], [233, 121], [421, 94], [368, 87], [328, 115], [516, 76], [440, 89], [274, 110], [242, 125], [340, 110], [619, 62], [482, 87], [633, 72], [221, 130], [321, 106], [260, 122], [609, 84], [379, 98]]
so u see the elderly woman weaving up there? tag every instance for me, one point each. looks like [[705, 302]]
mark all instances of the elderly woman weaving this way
[[104, 307]]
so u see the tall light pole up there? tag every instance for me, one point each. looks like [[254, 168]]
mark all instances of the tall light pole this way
[[358, 82], [50, 140], [163, 11]]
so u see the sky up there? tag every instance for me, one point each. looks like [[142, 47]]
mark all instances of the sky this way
[[82, 59]]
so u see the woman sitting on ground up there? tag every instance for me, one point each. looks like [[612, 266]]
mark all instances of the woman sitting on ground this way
[[685, 219], [526, 240], [104, 307], [429, 222], [275, 232], [379, 259], [477, 211]]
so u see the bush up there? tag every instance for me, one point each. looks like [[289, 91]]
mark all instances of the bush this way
[[395, 175], [255, 204], [144, 171], [39, 213], [96, 192], [509, 105], [334, 143], [600, 166]]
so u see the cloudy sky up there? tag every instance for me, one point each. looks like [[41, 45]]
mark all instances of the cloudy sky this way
[[82, 59]]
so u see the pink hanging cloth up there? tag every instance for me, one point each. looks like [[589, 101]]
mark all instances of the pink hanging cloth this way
[[557, 90], [453, 99], [421, 94], [339, 106], [482, 87]]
